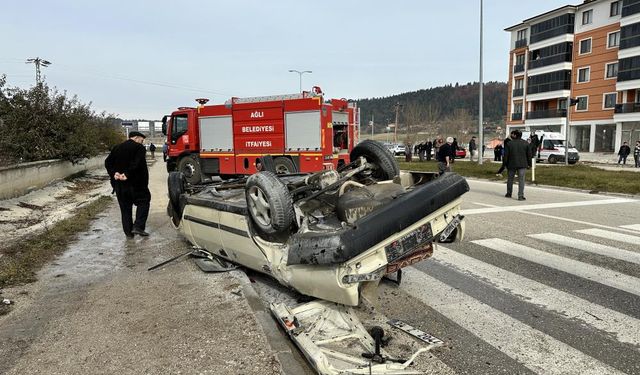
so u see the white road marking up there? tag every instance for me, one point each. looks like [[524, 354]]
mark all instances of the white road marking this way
[[632, 227], [624, 327], [545, 206], [591, 247], [635, 240], [534, 349], [594, 273]]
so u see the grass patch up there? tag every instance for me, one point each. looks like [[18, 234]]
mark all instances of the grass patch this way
[[576, 176], [20, 262]]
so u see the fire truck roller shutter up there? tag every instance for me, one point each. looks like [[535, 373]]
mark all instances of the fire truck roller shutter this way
[[216, 133], [302, 131]]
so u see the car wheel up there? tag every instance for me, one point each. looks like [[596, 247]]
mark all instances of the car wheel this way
[[269, 203], [284, 165], [572, 162], [175, 182], [190, 168], [385, 166], [553, 159]]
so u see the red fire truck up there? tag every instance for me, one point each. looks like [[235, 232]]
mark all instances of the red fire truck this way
[[301, 131]]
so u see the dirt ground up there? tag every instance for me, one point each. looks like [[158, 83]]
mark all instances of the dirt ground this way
[[97, 310]]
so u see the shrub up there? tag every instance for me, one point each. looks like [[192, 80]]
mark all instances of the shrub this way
[[42, 123]]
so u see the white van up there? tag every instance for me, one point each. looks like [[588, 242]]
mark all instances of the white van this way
[[552, 147]]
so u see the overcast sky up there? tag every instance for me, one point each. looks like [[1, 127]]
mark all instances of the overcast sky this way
[[142, 59]]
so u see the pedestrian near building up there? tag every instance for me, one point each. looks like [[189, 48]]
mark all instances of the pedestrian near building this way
[[428, 147], [472, 148], [503, 166], [152, 148], [636, 154], [444, 156], [517, 158], [127, 168], [624, 151], [497, 153]]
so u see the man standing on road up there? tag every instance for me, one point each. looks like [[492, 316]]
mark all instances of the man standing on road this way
[[472, 148], [636, 154], [624, 151], [517, 158], [127, 168], [444, 156]]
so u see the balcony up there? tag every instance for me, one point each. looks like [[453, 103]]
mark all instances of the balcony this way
[[548, 34], [628, 75], [546, 87], [518, 68], [516, 116], [545, 61], [517, 92], [546, 113], [521, 43], [627, 108], [630, 7]]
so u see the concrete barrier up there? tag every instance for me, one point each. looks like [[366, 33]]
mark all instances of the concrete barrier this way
[[19, 179]]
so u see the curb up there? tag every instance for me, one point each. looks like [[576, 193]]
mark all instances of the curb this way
[[285, 351]]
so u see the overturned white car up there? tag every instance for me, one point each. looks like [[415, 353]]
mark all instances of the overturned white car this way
[[330, 234]]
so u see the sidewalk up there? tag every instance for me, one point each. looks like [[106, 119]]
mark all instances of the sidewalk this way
[[97, 310]]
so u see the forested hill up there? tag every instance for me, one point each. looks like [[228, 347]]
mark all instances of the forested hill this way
[[437, 105]]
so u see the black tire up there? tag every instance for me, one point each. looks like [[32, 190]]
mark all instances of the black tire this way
[[269, 203], [190, 168], [385, 165], [175, 183], [284, 165], [553, 159], [572, 162]]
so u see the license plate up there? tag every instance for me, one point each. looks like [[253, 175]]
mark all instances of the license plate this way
[[409, 243], [429, 339], [450, 227]]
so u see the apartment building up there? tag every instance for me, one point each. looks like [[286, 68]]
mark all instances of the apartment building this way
[[588, 52]]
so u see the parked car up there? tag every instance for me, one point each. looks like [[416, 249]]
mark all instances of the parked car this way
[[461, 153], [552, 148], [398, 149]]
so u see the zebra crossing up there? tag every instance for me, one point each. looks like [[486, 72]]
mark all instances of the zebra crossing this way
[[572, 316]]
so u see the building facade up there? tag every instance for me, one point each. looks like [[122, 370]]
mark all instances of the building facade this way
[[589, 53]]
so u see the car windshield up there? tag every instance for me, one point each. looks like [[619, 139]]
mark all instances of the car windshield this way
[[558, 142]]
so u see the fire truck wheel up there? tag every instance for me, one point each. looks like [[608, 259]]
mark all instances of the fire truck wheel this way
[[190, 168], [175, 182], [385, 166], [269, 203], [284, 165]]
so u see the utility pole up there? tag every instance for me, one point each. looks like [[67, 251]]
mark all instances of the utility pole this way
[[395, 128], [38, 62], [372, 123], [480, 114]]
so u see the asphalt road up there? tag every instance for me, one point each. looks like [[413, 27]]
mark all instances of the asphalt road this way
[[549, 285]]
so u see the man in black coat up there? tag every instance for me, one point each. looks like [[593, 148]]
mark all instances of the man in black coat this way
[[127, 168], [517, 158], [444, 156]]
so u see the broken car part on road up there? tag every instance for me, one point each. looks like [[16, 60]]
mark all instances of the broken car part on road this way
[[332, 234]]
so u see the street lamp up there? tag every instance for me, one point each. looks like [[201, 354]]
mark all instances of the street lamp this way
[[300, 73]]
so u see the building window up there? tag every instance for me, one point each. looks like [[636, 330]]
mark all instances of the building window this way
[[585, 46], [519, 83], [587, 17], [613, 39], [615, 9], [611, 70], [583, 102], [583, 74], [519, 59], [610, 100], [517, 107], [522, 34]]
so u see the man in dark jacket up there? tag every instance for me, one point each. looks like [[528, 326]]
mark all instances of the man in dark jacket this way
[[444, 156], [127, 168], [623, 153], [517, 158]]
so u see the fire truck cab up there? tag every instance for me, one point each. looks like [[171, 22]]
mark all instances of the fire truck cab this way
[[302, 133]]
